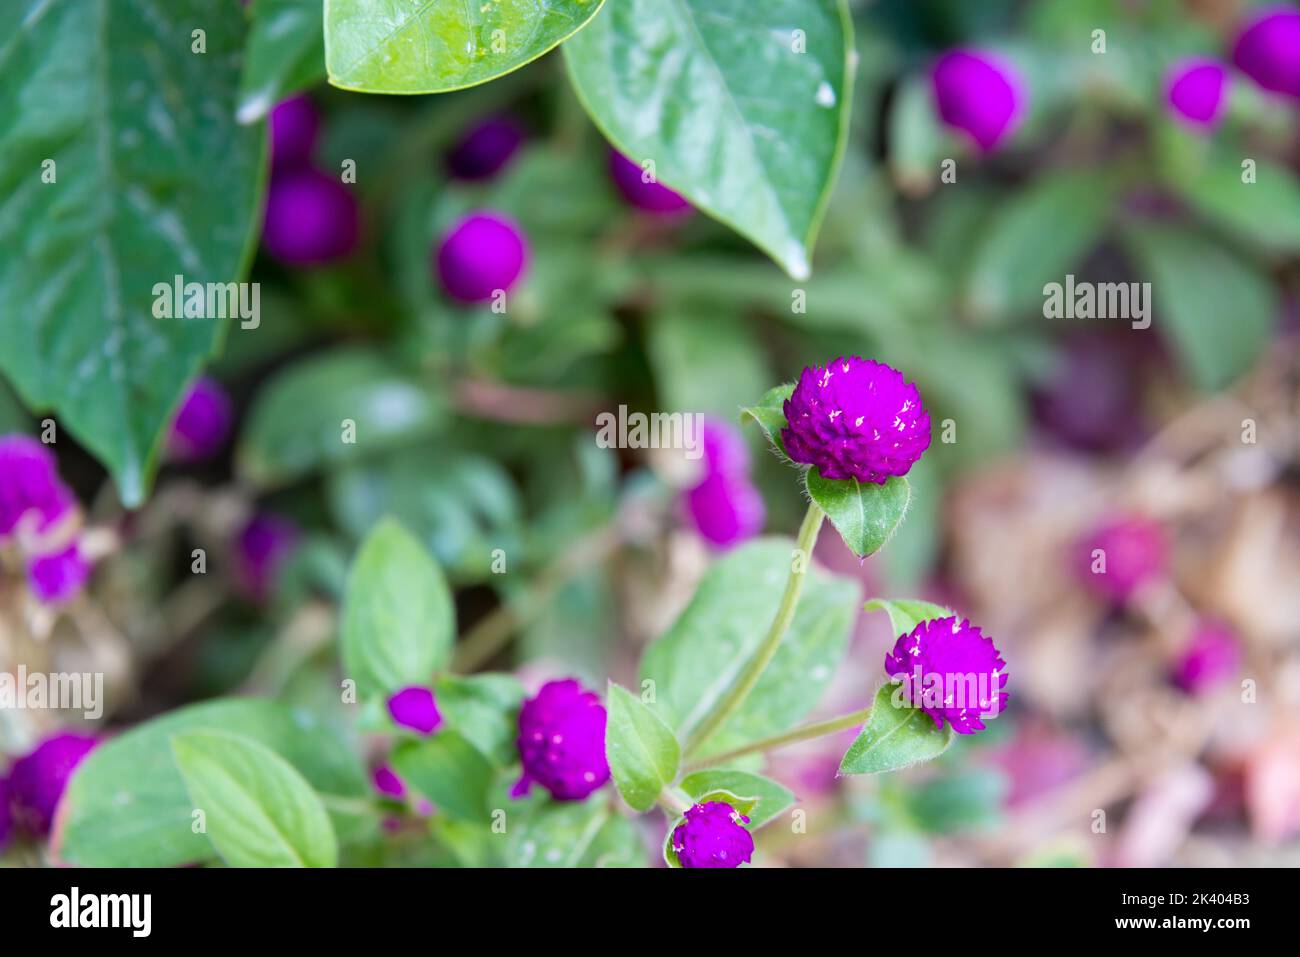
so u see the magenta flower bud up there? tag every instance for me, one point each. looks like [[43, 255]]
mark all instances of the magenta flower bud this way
[[388, 783], [56, 577], [726, 510], [713, 834], [725, 451], [293, 124], [1209, 659], [262, 548], [978, 94], [856, 418], [1194, 89], [562, 741], [202, 423], [480, 254], [311, 218], [486, 149], [30, 486], [37, 781], [416, 709], [647, 196], [1268, 50], [951, 671], [1122, 555]]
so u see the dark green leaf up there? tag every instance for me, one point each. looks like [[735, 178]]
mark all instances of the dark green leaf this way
[[285, 54], [769, 413], [894, 737], [1266, 213], [906, 614], [642, 752], [865, 514]]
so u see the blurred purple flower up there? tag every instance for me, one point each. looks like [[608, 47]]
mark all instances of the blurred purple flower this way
[[57, 576], [979, 94], [415, 708], [293, 124], [311, 218], [30, 485], [387, 782], [724, 506], [261, 549], [712, 834], [1210, 658], [202, 423], [37, 781], [1268, 50], [1194, 90], [6, 819], [485, 150], [1121, 555], [1093, 401], [481, 253], [936, 663], [562, 741], [649, 197]]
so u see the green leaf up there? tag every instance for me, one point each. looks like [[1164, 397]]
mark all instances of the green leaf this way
[[865, 515], [449, 771], [398, 619], [894, 737], [153, 179], [573, 834], [433, 46], [734, 117], [703, 359], [642, 752], [1265, 213], [484, 708], [769, 413], [298, 422], [697, 659], [1216, 309], [127, 805], [258, 810], [769, 797], [285, 54], [906, 614]]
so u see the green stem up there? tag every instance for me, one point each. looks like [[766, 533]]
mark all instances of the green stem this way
[[754, 668], [673, 800], [807, 732]]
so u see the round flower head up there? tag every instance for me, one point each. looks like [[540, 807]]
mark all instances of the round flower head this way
[[260, 552], [951, 671], [56, 577], [387, 782], [726, 510], [978, 94], [6, 820], [294, 124], [202, 423], [1122, 555], [37, 781], [311, 218], [485, 150], [30, 486], [647, 196], [1194, 90], [713, 835], [856, 418], [480, 254], [1209, 659], [1268, 50], [416, 709], [562, 741]]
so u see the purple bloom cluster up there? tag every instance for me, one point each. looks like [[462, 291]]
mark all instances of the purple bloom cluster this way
[[202, 422], [480, 254], [647, 196], [36, 511], [562, 741], [724, 505], [712, 834], [1210, 658], [1268, 50], [856, 418], [980, 95], [261, 549], [415, 708], [486, 149], [37, 781], [951, 671], [1195, 90], [1122, 555]]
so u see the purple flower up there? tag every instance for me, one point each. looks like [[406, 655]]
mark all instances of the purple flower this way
[[37, 781], [951, 671], [1093, 401], [261, 549], [650, 197], [57, 576], [293, 125], [856, 418], [202, 423], [562, 741], [1122, 555], [725, 451], [1268, 50], [6, 819], [486, 149], [1210, 658], [311, 218], [713, 835], [726, 510], [416, 709], [979, 94], [388, 783], [30, 486], [480, 254], [1194, 89]]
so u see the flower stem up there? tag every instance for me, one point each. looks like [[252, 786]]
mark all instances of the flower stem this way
[[807, 732], [754, 668]]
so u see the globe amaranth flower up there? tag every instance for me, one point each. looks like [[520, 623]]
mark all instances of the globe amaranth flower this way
[[37, 781], [261, 549], [979, 94], [712, 834], [311, 218], [485, 150], [55, 577], [724, 505], [6, 819], [562, 741], [950, 670], [856, 418], [1194, 90], [294, 124], [415, 708], [1122, 555], [202, 422], [647, 195], [387, 782], [1268, 50], [1210, 658], [482, 253]]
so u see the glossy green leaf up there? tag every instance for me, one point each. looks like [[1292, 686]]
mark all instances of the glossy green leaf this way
[[285, 54], [573, 834], [398, 619], [769, 413], [643, 753], [1265, 213], [258, 811], [864, 513], [122, 167], [769, 797], [894, 737], [127, 805], [734, 114], [433, 46], [906, 614], [448, 770]]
